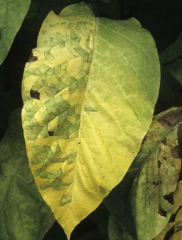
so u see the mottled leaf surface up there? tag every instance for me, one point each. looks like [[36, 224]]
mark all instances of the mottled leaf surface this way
[[154, 187], [84, 116], [23, 212], [12, 13], [177, 235], [176, 217]]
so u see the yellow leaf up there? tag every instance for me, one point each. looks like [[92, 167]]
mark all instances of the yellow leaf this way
[[84, 116]]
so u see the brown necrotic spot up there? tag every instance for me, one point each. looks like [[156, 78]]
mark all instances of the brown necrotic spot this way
[[35, 94], [179, 134], [169, 198], [156, 183], [175, 152], [162, 212], [51, 133], [172, 218], [32, 58], [159, 164], [164, 141], [169, 234], [171, 118]]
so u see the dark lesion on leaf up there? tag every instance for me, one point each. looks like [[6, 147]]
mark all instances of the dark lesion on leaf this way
[[169, 197], [171, 118], [172, 218], [175, 152], [179, 135], [35, 94], [164, 141], [156, 183], [162, 212], [169, 234], [32, 58], [159, 164], [51, 132]]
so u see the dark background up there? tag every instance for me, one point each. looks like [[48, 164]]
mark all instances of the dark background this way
[[163, 18]]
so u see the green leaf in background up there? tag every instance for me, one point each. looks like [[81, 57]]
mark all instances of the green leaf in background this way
[[89, 92], [153, 189], [115, 232], [171, 59], [23, 213], [12, 14], [172, 52], [117, 204]]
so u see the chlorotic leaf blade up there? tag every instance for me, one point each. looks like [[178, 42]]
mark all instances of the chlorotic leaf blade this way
[[84, 117]]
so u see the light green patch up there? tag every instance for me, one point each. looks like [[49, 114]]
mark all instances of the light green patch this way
[[65, 200], [90, 109], [102, 190], [57, 185]]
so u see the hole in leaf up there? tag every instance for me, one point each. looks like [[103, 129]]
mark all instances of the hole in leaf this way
[[179, 134], [169, 234], [35, 94], [162, 212], [32, 58], [164, 141], [156, 183], [172, 218], [175, 152], [159, 164], [51, 133], [169, 198]]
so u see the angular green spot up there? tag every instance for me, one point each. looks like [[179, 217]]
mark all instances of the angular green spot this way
[[90, 109], [57, 185], [65, 200], [102, 190]]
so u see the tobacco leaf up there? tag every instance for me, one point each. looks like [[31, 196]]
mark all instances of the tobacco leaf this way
[[153, 190], [83, 114]]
